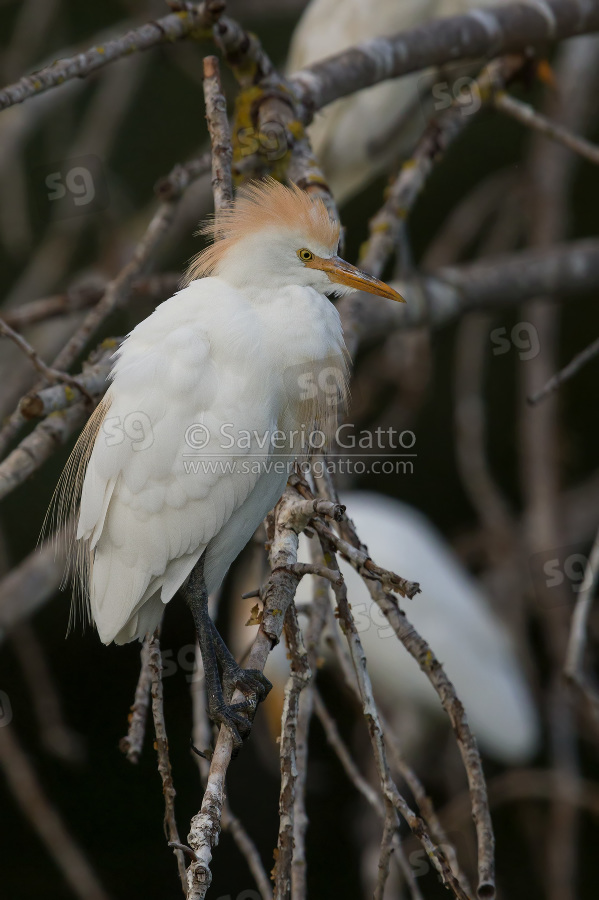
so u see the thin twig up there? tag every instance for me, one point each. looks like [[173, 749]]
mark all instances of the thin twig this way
[[389, 832], [426, 659], [318, 618], [299, 678], [50, 373], [361, 784], [272, 110], [94, 378], [390, 791], [574, 366], [430, 665], [517, 785], [164, 763], [38, 446], [201, 736], [170, 28], [550, 172], [291, 517], [55, 734], [131, 745], [574, 664], [46, 820], [220, 137], [119, 289], [527, 115], [32, 582], [365, 566], [424, 802], [151, 288]]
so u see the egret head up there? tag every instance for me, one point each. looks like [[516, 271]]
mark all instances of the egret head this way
[[276, 236]]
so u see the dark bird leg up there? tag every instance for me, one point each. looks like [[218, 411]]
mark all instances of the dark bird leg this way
[[214, 649], [197, 599], [250, 681]]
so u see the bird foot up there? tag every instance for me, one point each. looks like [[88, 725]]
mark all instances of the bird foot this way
[[230, 715], [249, 681]]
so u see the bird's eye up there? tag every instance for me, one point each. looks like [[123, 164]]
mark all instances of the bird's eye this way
[[305, 255]]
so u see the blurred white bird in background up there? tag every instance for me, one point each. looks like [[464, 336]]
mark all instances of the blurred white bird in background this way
[[213, 374], [451, 613], [358, 137]]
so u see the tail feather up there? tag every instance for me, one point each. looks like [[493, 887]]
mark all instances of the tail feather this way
[[61, 518], [115, 589]]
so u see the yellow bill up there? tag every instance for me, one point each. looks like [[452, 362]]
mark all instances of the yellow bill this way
[[342, 272]]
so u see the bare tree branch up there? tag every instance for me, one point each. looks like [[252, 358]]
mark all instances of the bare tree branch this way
[[568, 372], [390, 792], [511, 28], [527, 115], [174, 27], [430, 665], [574, 666], [230, 822], [164, 764], [50, 373], [361, 784], [220, 138], [131, 745], [291, 517], [299, 678], [46, 820]]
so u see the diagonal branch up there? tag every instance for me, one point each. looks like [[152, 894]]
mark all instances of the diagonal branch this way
[[291, 517], [390, 792], [568, 372], [202, 731], [513, 27], [131, 745], [50, 373], [575, 654], [220, 137], [361, 784], [527, 115], [174, 27], [164, 763], [299, 678], [46, 820]]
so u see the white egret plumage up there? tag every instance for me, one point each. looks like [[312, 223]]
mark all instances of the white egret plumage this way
[[452, 613], [167, 486], [358, 137]]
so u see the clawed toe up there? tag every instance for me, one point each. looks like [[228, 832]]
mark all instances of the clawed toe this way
[[231, 716], [250, 681], [255, 686]]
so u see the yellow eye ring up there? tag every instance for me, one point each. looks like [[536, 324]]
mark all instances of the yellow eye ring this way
[[305, 255]]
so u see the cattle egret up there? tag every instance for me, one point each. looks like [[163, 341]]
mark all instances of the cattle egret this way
[[176, 467], [358, 137], [452, 614]]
